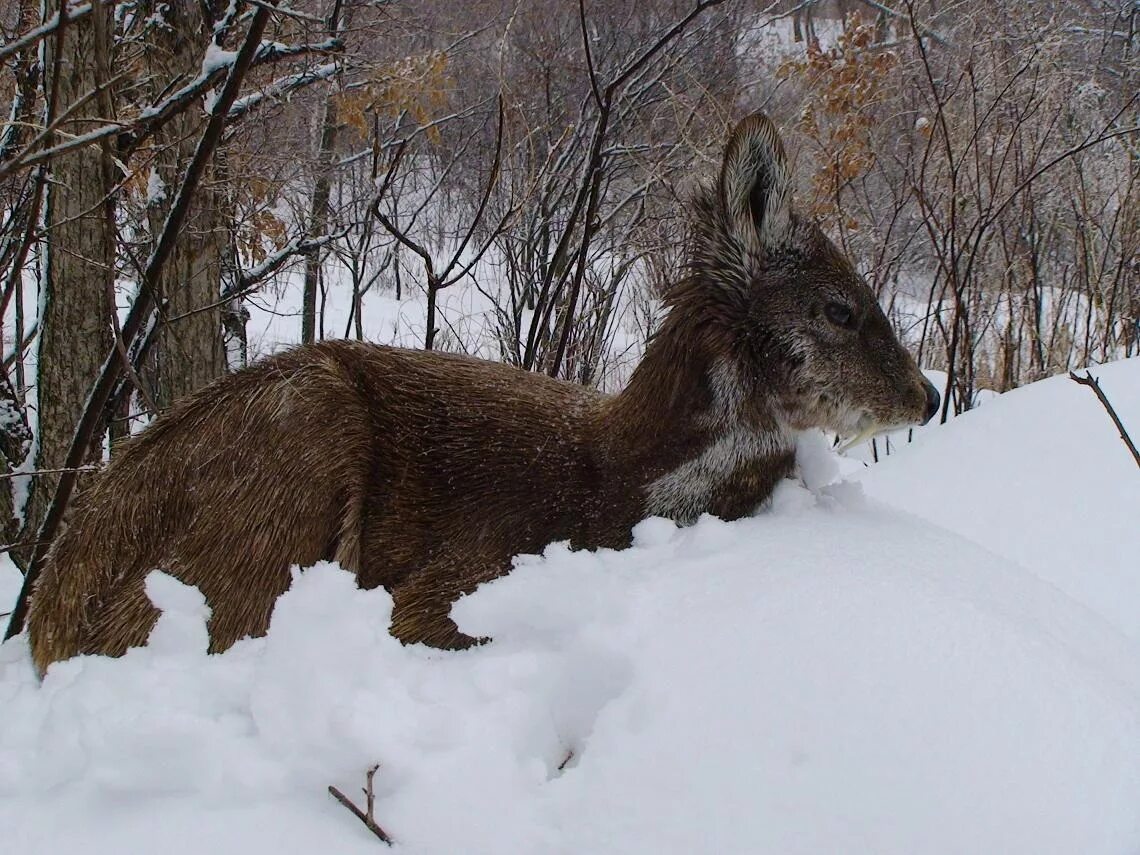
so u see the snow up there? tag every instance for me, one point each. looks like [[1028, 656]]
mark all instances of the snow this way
[[215, 59], [1040, 476], [834, 674], [155, 188], [10, 580]]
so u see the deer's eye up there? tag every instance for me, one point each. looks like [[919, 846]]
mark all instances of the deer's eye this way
[[840, 315]]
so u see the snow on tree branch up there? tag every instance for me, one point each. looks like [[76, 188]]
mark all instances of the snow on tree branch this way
[[45, 29], [215, 64], [131, 134], [280, 88], [298, 246]]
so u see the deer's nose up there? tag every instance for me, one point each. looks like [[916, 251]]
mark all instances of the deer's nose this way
[[933, 401]]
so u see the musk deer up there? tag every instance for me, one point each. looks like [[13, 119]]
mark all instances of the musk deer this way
[[425, 472]]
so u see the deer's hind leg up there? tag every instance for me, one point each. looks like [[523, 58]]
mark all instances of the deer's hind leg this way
[[124, 619]]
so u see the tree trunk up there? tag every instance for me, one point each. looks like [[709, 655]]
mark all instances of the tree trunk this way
[[322, 189], [75, 328], [188, 351], [318, 218]]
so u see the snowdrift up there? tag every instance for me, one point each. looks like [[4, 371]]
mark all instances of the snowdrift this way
[[1040, 476], [832, 675]]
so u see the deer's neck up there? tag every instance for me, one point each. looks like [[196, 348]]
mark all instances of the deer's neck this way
[[698, 437]]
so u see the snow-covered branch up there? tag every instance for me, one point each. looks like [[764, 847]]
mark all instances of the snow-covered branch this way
[[216, 64], [45, 29], [282, 87], [298, 246]]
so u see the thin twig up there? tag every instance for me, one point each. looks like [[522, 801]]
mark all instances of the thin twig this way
[[894, 13], [19, 544], [1094, 384], [492, 179], [38, 472], [365, 816], [594, 87], [291, 13], [121, 347]]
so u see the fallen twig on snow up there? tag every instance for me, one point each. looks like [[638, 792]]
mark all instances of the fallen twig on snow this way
[[366, 816], [566, 760]]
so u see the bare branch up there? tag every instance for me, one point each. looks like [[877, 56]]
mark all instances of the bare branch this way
[[1094, 384], [492, 179], [895, 13], [35, 473], [289, 13], [589, 54]]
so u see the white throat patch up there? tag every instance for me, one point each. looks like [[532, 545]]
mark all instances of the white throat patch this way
[[684, 493]]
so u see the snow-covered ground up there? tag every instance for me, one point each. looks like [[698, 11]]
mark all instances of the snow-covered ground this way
[[939, 653], [1040, 476]]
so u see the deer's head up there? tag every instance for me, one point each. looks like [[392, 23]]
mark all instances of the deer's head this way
[[799, 327]]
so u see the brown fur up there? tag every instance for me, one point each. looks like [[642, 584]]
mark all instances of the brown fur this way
[[424, 472]]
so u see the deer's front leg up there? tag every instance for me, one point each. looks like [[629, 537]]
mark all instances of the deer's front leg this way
[[421, 604]]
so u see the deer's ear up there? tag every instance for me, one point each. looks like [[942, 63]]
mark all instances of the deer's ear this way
[[755, 185]]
